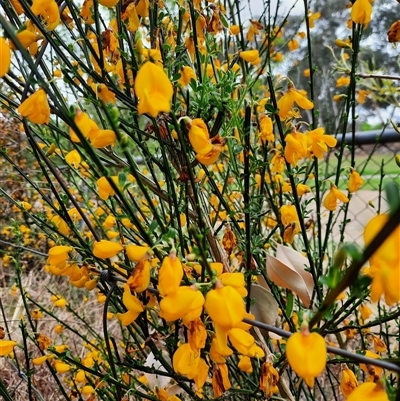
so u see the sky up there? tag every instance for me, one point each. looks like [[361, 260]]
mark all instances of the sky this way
[[257, 7]]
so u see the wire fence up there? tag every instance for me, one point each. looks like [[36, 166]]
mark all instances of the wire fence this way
[[375, 160]]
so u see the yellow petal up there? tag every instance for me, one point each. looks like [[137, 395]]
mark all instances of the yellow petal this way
[[306, 354], [106, 249], [249, 55], [6, 347], [199, 137], [302, 101], [136, 252], [285, 103], [361, 12], [154, 90], [370, 392], [5, 57], [170, 275], [105, 137], [225, 307]]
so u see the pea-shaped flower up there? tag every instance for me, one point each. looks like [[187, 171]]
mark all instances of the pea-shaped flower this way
[[306, 354], [225, 306]]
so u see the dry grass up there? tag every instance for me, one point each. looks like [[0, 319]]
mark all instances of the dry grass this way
[[36, 282]]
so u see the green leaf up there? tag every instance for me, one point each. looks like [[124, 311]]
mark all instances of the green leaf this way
[[4, 392], [289, 303], [152, 227], [359, 286], [393, 196], [121, 179], [170, 234], [224, 20], [352, 250]]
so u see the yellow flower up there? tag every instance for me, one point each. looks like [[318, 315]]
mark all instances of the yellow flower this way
[[342, 44], [289, 215], [293, 44], [187, 74], [103, 93], [312, 17], [73, 158], [379, 345], [302, 189], [296, 147], [87, 390], [234, 29], [334, 195], [213, 155], [199, 137], [290, 221], [266, 128], [371, 369], [58, 255], [186, 361], [108, 3], [48, 10], [250, 56], [269, 378], [355, 181], [36, 314], [87, 11], [25, 206], [245, 364], [362, 95], [365, 312], [285, 103], [26, 38], [389, 251], [219, 350], [134, 306], [86, 125], [142, 8], [36, 108], [153, 89], [318, 142], [278, 57], [105, 137], [225, 306], [170, 275], [139, 280], [348, 381], [104, 188], [369, 391], [5, 57], [40, 360], [361, 12], [60, 302], [61, 225], [343, 81], [241, 340], [6, 347], [235, 280], [185, 303], [306, 354], [306, 72], [136, 252], [385, 263], [61, 367], [106, 249]]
